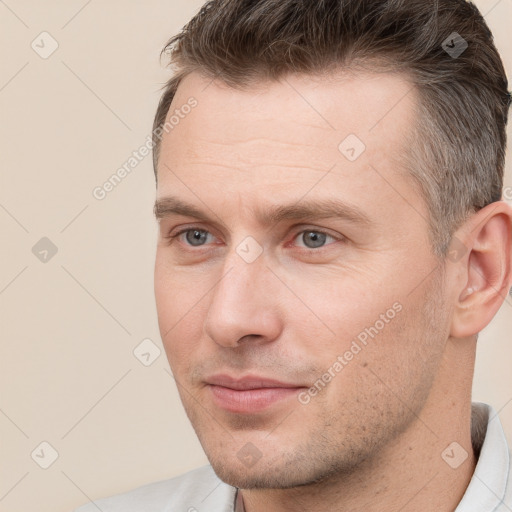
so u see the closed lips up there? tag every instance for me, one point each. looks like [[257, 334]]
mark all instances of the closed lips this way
[[249, 394]]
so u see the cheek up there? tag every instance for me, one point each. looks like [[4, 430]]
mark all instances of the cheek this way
[[181, 334], [177, 291], [180, 313], [342, 311], [378, 382], [380, 347]]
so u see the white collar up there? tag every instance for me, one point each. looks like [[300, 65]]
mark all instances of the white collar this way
[[486, 490]]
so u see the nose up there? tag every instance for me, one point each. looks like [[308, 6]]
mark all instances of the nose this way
[[243, 304]]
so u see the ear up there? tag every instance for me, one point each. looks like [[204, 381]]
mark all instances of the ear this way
[[482, 251]]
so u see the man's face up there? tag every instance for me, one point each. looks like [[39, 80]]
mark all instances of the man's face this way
[[302, 344]]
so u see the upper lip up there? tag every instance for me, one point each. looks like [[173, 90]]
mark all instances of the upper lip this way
[[248, 382]]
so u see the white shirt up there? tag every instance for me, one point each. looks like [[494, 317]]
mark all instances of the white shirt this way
[[490, 488]]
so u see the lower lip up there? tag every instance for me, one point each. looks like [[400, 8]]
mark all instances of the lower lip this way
[[250, 400]]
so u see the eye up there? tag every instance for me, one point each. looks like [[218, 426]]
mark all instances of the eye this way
[[193, 236], [313, 239]]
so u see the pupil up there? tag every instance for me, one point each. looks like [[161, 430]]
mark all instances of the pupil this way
[[318, 239], [197, 236]]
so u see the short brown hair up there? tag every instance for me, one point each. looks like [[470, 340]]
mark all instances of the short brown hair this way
[[455, 155]]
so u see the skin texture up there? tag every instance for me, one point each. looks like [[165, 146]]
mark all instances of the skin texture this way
[[372, 438]]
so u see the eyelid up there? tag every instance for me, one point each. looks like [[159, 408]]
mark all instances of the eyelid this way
[[174, 233], [337, 238]]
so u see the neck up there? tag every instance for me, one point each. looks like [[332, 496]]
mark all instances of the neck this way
[[422, 469]]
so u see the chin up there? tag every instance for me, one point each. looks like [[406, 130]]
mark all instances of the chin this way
[[252, 478], [284, 472]]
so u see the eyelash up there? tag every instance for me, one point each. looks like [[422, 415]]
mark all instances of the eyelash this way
[[172, 237]]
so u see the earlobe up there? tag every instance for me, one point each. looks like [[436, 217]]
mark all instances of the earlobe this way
[[486, 268]]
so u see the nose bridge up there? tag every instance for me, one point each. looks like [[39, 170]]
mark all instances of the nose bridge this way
[[241, 302]]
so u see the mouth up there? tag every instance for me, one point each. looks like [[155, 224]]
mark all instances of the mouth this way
[[249, 394]]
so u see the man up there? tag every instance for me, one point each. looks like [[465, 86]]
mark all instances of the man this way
[[332, 240]]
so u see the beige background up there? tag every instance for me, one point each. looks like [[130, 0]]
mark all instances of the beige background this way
[[68, 375]]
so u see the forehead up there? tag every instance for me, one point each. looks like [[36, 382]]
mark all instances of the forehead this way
[[310, 114], [284, 136]]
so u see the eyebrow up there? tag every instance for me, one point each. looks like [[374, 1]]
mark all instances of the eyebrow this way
[[271, 214]]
